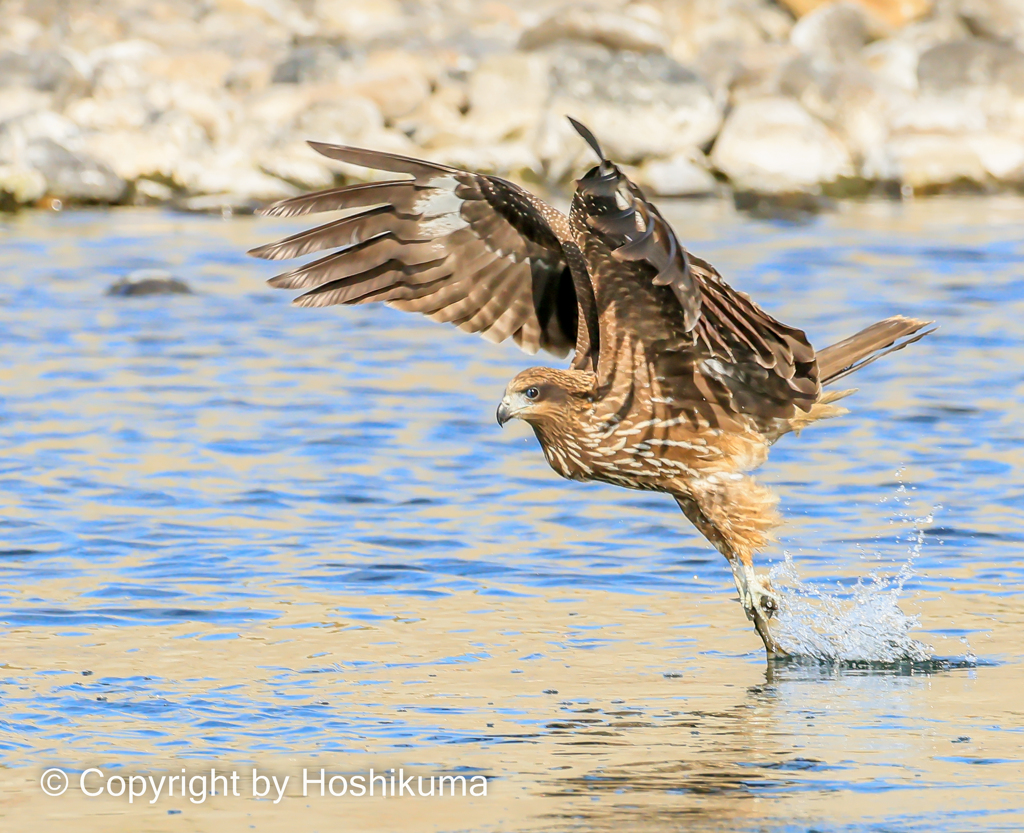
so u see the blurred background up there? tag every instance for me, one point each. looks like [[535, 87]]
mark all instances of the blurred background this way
[[206, 105]]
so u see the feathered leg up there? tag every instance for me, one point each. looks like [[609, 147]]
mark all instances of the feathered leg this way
[[735, 514]]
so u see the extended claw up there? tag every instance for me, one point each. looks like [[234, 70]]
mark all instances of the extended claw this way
[[760, 602]]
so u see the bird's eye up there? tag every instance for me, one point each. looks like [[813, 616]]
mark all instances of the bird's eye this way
[[531, 393]]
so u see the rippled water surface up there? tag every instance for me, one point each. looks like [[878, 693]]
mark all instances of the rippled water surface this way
[[235, 534]]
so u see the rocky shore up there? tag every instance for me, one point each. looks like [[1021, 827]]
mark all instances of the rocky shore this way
[[206, 104]]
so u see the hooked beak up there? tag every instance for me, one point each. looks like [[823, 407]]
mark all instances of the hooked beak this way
[[504, 412]]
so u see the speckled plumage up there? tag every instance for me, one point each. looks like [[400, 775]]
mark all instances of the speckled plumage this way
[[678, 383]]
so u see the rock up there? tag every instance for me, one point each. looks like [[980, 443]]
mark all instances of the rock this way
[[17, 133], [346, 121], [697, 26], [359, 21], [638, 105], [156, 151], [683, 175], [128, 112], [637, 28], [893, 12], [148, 282], [74, 177], [506, 97], [836, 31], [971, 62], [397, 82], [148, 191], [20, 185], [932, 162], [511, 159], [20, 101], [1001, 155], [120, 68], [298, 164], [46, 71], [997, 20], [775, 145], [310, 62], [893, 62], [848, 98], [248, 76], [231, 175]]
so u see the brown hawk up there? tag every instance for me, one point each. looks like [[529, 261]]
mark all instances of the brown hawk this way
[[678, 382]]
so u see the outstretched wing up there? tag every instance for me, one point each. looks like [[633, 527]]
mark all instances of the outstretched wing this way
[[472, 250], [667, 321]]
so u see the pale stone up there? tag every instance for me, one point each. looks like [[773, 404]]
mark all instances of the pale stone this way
[[682, 175], [893, 62], [502, 158], [999, 20], [226, 174], [637, 28], [24, 184], [637, 105], [971, 62], [1002, 155], [201, 68], [893, 12], [347, 121], [72, 176], [395, 81], [147, 190], [121, 68], [507, 94], [698, 25], [775, 145], [19, 101], [929, 161], [127, 112], [941, 114], [298, 164], [836, 31], [282, 12], [359, 21]]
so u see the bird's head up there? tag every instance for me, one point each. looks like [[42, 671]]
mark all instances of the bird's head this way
[[544, 395]]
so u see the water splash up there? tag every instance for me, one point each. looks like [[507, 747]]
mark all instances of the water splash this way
[[862, 625]]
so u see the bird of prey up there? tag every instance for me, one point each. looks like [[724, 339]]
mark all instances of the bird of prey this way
[[678, 383]]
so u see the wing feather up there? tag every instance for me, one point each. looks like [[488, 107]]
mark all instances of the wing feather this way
[[712, 353], [467, 249]]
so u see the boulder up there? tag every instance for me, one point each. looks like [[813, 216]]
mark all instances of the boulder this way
[[699, 25], [74, 177], [46, 70], [310, 62], [359, 21], [997, 20], [143, 282], [971, 62], [774, 145], [685, 174], [637, 28], [835, 32], [638, 105], [893, 12], [931, 162], [20, 185]]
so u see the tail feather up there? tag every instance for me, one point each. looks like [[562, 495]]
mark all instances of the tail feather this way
[[857, 351]]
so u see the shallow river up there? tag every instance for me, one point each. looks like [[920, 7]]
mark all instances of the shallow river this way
[[238, 534]]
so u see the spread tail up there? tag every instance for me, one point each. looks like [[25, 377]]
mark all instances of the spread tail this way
[[857, 351]]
